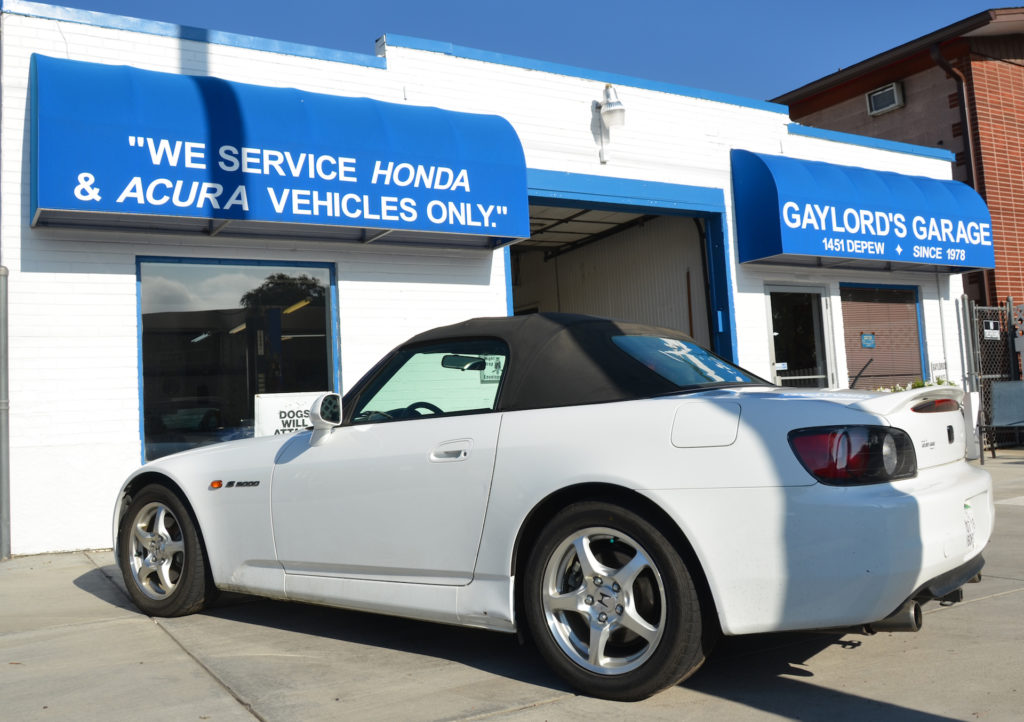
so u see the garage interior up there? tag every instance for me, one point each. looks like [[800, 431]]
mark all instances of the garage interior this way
[[625, 265]]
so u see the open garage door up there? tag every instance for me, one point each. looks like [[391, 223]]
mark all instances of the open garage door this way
[[622, 265]]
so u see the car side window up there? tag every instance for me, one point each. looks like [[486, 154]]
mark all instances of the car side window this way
[[456, 377]]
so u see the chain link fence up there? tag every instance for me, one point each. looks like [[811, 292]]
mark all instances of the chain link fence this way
[[990, 335]]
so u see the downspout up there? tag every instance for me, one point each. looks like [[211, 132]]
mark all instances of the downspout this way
[[965, 119], [5, 449]]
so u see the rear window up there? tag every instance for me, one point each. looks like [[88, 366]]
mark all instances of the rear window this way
[[683, 363]]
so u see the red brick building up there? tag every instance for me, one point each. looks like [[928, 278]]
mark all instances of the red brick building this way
[[960, 88]]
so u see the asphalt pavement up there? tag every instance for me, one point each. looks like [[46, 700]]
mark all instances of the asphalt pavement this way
[[72, 646]]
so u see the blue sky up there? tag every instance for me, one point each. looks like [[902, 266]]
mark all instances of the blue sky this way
[[753, 48]]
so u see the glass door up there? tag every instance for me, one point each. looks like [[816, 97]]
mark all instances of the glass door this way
[[798, 334]]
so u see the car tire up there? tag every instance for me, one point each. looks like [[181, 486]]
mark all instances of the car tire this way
[[161, 555], [611, 605]]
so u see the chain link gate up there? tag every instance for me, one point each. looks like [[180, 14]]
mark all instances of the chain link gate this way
[[990, 334]]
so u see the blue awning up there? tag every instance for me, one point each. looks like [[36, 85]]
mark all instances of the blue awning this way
[[118, 146], [801, 212]]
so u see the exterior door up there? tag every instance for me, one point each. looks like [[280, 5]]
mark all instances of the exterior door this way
[[798, 338], [399, 493], [399, 501], [883, 336]]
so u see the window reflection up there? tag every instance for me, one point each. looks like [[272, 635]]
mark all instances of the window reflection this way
[[216, 334], [683, 363]]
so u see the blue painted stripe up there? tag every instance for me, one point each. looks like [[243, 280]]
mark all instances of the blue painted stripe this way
[[33, 152], [138, 337], [510, 308], [720, 288], [863, 140], [515, 61], [578, 188], [184, 32], [335, 321]]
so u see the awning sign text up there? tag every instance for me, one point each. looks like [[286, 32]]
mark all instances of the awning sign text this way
[[126, 141]]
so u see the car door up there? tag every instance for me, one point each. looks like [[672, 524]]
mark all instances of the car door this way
[[400, 491]]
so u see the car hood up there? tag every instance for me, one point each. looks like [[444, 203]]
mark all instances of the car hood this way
[[260, 451]]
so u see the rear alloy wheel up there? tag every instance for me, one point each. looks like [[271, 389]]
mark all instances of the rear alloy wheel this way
[[161, 556], [611, 605]]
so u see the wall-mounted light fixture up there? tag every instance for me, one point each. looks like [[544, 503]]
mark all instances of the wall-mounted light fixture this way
[[613, 112], [613, 115]]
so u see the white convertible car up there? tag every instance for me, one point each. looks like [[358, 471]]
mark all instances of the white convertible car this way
[[615, 489]]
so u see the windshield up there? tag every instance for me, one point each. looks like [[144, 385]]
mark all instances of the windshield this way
[[683, 363]]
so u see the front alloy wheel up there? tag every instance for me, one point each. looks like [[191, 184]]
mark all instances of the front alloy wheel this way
[[156, 551], [161, 556], [610, 603]]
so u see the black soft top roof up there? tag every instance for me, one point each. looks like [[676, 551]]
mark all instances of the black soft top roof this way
[[562, 359]]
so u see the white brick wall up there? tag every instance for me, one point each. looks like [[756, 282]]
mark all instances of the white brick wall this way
[[73, 310]]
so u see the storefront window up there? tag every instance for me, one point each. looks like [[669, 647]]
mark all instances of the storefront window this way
[[216, 334]]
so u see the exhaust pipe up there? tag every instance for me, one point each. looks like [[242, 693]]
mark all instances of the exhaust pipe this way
[[907, 618]]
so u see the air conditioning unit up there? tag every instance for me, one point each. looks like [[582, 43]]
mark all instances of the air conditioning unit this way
[[882, 100]]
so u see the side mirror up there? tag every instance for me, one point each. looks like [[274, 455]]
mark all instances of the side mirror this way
[[325, 413]]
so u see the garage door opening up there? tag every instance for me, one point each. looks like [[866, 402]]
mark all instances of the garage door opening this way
[[623, 265]]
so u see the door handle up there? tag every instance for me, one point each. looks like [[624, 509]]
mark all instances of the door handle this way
[[452, 450]]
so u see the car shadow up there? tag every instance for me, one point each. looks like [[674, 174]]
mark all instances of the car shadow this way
[[492, 652], [105, 584], [766, 672], [772, 672]]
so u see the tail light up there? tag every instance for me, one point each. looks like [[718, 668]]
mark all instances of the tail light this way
[[849, 455], [937, 406]]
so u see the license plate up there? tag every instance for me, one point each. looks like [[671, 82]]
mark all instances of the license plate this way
[[970, 525]]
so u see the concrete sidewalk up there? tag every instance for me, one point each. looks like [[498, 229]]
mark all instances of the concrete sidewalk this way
[[73, 647]]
